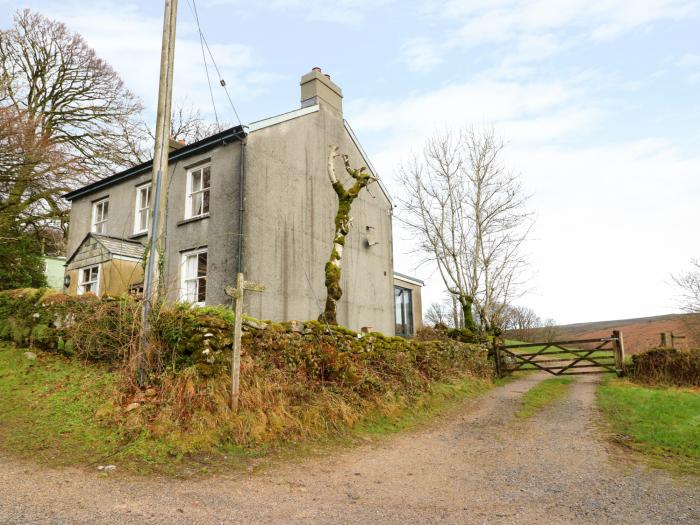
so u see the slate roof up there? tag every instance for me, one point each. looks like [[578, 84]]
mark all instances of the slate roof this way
[[114, 245], [123, 247], [228, 135]]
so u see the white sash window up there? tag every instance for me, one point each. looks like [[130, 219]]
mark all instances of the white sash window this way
[[193, 287], [100, 214], [143, 205], [198, 180]]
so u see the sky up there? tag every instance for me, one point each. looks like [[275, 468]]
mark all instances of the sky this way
[[598, 102]]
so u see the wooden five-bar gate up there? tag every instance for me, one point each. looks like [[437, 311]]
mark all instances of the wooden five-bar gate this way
[[579, 356]]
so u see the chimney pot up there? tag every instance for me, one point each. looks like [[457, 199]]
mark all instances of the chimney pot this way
[[316, 69], [174, 145]]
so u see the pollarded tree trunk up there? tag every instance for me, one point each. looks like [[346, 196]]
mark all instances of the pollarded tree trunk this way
[[467, 303], [343, 220]]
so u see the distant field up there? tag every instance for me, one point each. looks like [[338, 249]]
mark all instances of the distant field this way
[[640, 334]]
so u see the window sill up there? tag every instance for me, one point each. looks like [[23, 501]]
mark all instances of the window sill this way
[[193, 219], [138, 235]]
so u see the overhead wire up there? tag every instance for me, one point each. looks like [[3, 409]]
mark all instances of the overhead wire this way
[[203, 39], [206, 66]]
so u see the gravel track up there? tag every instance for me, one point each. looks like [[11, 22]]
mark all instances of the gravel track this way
[[477, 465]]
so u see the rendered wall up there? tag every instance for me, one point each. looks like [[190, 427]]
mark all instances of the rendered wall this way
[[289, 225], [218, 232], [290, 207]]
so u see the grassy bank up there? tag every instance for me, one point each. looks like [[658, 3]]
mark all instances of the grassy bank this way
[[661, 423], [543, 394], [62, 411]]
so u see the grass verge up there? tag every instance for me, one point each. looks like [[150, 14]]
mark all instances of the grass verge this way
[[61, 412], [661, 423], [442, 398], [543, 394]]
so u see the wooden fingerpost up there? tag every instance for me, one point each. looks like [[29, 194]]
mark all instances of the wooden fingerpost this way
[[237, 293], [619, 353]]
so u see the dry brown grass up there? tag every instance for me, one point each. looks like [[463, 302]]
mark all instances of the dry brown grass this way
[[299, 381]]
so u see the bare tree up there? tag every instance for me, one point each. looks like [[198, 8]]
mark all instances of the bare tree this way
[[186, 124], [438, 314], [501, 225], [343, 221], [549, 331], [75, 120], [520, 322], [467, 214], [689, 284]]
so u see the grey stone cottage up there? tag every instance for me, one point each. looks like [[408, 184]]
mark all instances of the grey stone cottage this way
[[255, 199]]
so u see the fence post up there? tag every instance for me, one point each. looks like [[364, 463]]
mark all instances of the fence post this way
[[497, 356], [619, 353]]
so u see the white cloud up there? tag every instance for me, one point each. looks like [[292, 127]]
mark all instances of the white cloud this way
[[522, 31], [612, 218], [689, 60], [601, 19], [420, 54], [349, 12], [612, 225], [476, 100]]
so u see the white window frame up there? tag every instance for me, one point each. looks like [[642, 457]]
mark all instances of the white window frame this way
[[184, 278], [96, 282], [138, 209], [102, 223], [190, 194]]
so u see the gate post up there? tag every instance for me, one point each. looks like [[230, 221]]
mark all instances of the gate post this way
[[497, 356], [619, 353]]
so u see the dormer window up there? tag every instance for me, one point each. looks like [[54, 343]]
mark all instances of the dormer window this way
[[100, 214], [197, 192]]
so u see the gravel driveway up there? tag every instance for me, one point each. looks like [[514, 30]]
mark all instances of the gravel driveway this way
[[479, 465]]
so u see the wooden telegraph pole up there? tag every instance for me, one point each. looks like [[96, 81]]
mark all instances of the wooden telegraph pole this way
[[237, 293], [152, 284]]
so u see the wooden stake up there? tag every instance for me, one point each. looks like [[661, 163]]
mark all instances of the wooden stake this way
[[619, 353], [237, 293]]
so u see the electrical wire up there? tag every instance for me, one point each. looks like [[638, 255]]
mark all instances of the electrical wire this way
[[206, 67], [222, 82]]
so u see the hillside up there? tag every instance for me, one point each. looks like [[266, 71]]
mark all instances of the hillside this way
[[641, 333]]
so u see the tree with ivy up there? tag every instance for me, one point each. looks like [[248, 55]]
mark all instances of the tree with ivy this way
[[343, 221]]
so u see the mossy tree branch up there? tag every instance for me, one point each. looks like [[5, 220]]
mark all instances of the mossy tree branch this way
[[343, 221]]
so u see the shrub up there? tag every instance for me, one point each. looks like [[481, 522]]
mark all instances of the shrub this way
[[21, 262], [464, 335], [298, 379], [667, 366]]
